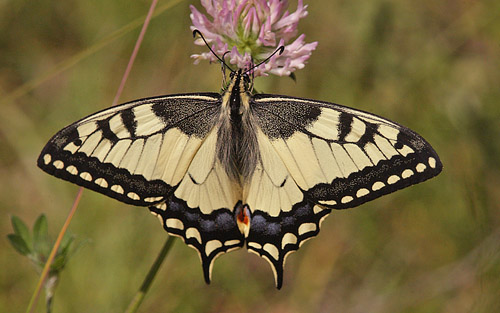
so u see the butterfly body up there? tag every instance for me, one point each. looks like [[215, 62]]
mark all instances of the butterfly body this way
[[223, 171], [236, 141]]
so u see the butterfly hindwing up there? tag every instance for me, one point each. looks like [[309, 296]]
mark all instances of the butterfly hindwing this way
[[282, 218], [210, 234], [274, 238], [201, 209]]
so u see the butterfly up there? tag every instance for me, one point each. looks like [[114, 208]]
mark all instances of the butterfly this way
[[224, 171]]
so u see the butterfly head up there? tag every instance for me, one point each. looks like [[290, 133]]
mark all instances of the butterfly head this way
[[247, 74], [241, 79]]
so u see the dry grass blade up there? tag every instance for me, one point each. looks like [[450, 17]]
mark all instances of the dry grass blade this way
[[45, 271]]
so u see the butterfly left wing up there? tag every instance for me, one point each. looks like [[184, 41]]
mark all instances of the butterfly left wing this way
[[157, 152], [317, 156]]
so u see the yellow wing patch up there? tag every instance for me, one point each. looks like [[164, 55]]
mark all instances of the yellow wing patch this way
[[205, 184]]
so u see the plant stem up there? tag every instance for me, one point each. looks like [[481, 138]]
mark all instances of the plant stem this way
[[46, 269], [139, 296], [50, 286]]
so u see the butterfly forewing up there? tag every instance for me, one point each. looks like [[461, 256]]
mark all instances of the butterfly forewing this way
[[135, 152], [341, 157]]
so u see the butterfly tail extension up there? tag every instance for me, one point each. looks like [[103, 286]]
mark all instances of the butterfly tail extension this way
[[274, 238], [210, 235]]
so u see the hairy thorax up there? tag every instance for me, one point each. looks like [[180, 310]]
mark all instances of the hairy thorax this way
[[237, 145]]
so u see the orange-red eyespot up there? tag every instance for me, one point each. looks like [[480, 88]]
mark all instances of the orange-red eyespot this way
[[242, 214]]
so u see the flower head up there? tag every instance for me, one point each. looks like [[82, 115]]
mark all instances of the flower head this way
[[250, 31]]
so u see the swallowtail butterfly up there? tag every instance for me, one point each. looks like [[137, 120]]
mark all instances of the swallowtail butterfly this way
[[224, 171]]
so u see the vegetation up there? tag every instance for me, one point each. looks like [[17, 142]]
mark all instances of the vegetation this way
[[433, 66]]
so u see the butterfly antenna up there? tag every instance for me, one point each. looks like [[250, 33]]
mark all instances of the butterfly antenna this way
[[279, 51], [195, 32], [224, 66]]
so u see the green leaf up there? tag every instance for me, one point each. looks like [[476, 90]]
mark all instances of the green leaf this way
[[58, 263], [19, 244], [41, 235], [65, 246], [40, 229], [66, 241], [21, 230]]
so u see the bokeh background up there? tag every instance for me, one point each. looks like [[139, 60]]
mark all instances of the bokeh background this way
[[433, 66]]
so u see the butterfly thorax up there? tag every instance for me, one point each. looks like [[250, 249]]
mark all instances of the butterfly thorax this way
[[237, 142]]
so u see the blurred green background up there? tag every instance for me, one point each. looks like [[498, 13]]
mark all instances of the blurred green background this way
[[433, 66]]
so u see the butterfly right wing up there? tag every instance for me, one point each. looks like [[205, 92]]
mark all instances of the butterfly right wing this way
[[317, 156]]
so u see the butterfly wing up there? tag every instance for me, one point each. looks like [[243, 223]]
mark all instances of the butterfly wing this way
[[317, 156], [157, 152], [201, 209]]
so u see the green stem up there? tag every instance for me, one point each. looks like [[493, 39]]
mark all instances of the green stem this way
[[46, 268], [139, 296]]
